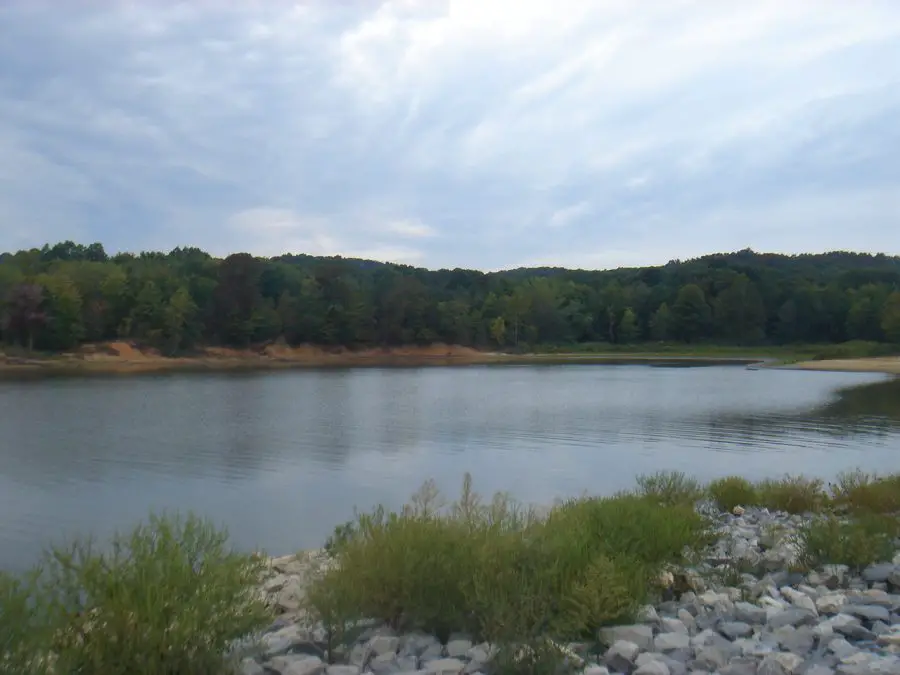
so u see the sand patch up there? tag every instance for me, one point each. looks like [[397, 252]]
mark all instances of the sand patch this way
[[880, 364]]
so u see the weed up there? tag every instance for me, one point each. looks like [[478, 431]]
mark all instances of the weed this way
[[793, 494], [669, 488], [732, 491], [857, 542], [23, 634], [167, 598], [860, 492]]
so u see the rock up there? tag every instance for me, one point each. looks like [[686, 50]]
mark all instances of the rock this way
[[749, 613], [710, 658], [291, 639], [880, 572], [640, 635], [251, 667], [688, 620], [819, 669], [338, 669], [418, 644], [796, 640], [290, 597], [789, 662], [770, 666], [594, 669], [390, 664], [791, 617], [481, 653], [458, 647], [735, 629], [890, 638], [841, 648], [800, 600], [867, 612], [894, 576], [666, 642], [383, 644], [831, 603], [444, 667], [653, 668], [739, 666], [297, 665], [648, 614], [668, 625], [621, 656]]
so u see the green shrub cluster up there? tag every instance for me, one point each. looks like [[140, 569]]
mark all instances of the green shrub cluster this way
[[854, 492], [170, 597], [505, 573], [856, 542]]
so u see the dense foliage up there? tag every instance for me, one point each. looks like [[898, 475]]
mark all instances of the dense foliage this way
[[57, 297]]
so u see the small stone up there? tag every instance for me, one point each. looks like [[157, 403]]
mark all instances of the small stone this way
[[831, 603], [640, 635], [384, 644], [790, 662], [791, 617], [666, 642], [458, 647], [878, 573], [710, 658], [800, 600], [293, 665], [868, 612], [738, 510], [770, 666], [796, 640], [819, 669], [739, 666], [668, 625], [444, 667], [735, 629], [251, 667], [841, 648], [648, 614], [749, 613], [337, 669], [652, 668], [594, 669], [688, 620], [621, 656]]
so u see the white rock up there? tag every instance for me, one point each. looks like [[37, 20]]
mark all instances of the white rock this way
[[831, 603], [790, 662], [444, 667]]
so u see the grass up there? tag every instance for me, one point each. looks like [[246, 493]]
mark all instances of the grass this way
[[868, 538], [503, 572], [169, 597]]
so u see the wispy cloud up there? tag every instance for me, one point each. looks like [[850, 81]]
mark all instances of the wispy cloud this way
[[486, 134]]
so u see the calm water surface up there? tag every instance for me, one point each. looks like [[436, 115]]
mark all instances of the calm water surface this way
[[280, 458]]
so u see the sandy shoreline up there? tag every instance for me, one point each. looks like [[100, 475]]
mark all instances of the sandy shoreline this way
[[126, 358], [881, 364]]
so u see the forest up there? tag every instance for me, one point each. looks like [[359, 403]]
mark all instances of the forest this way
[[57, 297]]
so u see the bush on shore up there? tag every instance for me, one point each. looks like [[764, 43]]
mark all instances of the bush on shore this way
[[500, 571], [170, 597]]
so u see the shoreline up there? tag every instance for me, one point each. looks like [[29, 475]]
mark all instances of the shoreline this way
[[123, 358]]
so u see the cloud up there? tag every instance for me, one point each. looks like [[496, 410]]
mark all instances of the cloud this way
[[485, 134]]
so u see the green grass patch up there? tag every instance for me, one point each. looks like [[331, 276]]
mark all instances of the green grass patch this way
[[670, 488], [732, 491], [169, 597], [854, 349], [793, 494], [504, 573], [866, 493], [856, 542]]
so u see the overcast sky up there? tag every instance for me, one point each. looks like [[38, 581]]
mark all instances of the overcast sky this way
[[443, 133]]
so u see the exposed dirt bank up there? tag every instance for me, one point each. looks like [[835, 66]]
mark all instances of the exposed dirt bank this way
[[125, 357], [879, 364]]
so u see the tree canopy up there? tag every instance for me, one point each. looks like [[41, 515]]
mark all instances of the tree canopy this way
[[57, 297]]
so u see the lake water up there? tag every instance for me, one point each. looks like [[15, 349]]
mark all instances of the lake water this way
[[280, 458]]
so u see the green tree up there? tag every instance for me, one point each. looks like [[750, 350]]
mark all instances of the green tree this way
[[498, 330], [691, 313], [890, 318], [661, 323], [628, 328], [739, 312], [24, 315], [64, 327], [181, 327]]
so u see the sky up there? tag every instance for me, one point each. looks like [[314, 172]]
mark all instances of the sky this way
[[485, 134]]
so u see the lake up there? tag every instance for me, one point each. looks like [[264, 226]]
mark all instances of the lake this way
[[282, 457]]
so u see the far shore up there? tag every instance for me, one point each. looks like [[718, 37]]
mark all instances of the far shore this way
[[127, 358]]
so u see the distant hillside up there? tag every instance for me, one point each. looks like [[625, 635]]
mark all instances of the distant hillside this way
[[59, 296]]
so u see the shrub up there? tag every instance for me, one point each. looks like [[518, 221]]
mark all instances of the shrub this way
[[168, 598], [793, 494], [23, 645], [507, 574], [669, 488], [860, 492], [732, 491], [857, 542]]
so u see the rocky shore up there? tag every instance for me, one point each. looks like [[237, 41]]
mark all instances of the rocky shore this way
[[741, 610]]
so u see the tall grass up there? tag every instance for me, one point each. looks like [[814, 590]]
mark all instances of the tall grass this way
[[505, 573], [169, 597]]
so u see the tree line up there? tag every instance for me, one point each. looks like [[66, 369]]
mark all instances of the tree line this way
[[58, 297]]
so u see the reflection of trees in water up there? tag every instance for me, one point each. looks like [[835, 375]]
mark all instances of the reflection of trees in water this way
[[871, 410]]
